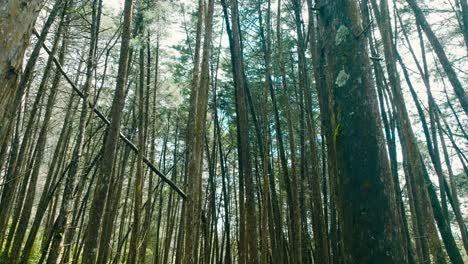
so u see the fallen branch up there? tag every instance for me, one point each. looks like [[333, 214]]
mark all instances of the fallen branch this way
[[107, 122]]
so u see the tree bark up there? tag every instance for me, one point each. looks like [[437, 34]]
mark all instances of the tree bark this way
[[364, 179], [194, 203], [17, 19], [110, 143]]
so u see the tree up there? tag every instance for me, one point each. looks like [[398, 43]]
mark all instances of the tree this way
[[326, 135], [361, 160], [16, 24], [439, 50], [194, 177], [110, 142]]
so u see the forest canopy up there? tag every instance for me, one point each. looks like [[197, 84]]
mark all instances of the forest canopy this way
[[233, 131]]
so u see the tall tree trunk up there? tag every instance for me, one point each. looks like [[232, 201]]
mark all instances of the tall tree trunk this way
[[110, 142], [464, 11], [15, 88], [248, 231], [70, 182], [139, 181], [318, 59], [146, 225], [268, 88], [453, 187], [17, 19], [318, 224], [194, 177], [31, 176], [190, 128], [439, 50], [416, 166], [364, 179], [62, 143]]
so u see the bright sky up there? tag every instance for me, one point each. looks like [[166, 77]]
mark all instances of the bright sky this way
[[114, 3], [175, 34]]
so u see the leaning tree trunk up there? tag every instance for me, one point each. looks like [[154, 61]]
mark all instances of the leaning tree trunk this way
[[416, 167], [110, 143], [6, 120], [17, 19], [439, 51], [61, 222]]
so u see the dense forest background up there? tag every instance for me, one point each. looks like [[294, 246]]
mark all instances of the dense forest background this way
[[233, 131]]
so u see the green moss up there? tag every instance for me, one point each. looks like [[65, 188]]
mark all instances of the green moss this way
[[337, 132]]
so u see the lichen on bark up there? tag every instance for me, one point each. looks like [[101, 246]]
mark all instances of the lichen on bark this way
[[342, 78]]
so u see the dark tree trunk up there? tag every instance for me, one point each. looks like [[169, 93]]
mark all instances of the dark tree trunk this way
[[364, 179]]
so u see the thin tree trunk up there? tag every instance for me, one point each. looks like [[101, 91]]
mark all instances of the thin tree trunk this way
[[439, 50], [408, 139], [110, 143], [61, 222], [194, 203], [139, 181]]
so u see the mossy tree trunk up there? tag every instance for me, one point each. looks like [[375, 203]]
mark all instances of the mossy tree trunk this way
[[365, 185]]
